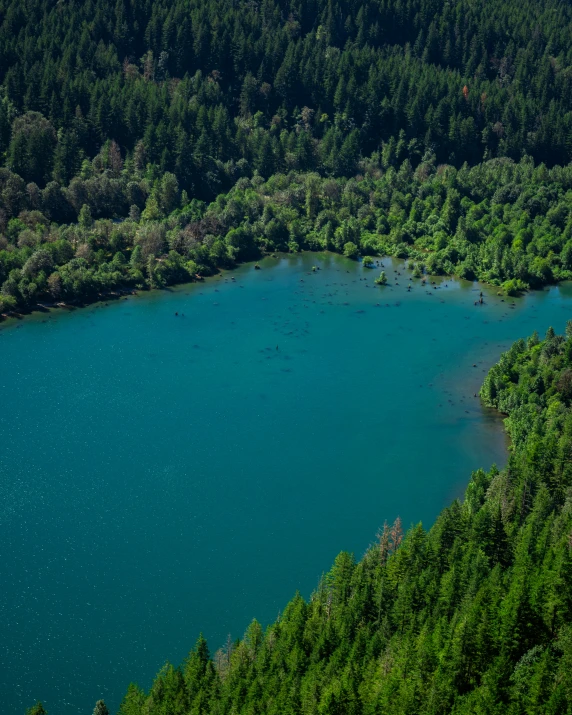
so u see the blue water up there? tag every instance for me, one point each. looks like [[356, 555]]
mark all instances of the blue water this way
[[163, 475]]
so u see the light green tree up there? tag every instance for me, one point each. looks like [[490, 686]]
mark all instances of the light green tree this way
[[84, 219], [350, 250]]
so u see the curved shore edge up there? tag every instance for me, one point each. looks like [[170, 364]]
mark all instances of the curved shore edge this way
[[476, 610]]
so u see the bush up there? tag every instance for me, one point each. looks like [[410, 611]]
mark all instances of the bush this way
[[350, 250], [514, 286]]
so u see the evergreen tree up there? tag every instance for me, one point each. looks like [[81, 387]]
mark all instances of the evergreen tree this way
[[100, 708]]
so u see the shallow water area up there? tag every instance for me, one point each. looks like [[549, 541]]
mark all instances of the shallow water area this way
[[184, 460]]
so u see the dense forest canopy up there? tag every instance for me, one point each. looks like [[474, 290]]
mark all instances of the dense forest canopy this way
[[211, 89], [148, 142], [221, 130], [505, 223]]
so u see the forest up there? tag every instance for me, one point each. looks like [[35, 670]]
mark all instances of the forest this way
[[508, 224], [208, 89], [472, 616], [145, 142]]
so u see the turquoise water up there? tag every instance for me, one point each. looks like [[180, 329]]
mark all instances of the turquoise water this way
[[162, 475]]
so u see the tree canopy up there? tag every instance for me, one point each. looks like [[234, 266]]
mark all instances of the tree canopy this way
[[212, 89], [502, 222], [149, 142]]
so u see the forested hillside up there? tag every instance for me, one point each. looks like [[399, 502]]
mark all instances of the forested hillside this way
[[472, 617], [148, 142], [213, 89], [505, 223], [221, 130]]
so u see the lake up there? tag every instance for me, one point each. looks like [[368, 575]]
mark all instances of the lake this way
[[163, 474]]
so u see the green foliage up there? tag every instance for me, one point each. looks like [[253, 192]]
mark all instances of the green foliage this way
[[84, 218], [133, 701], [210, 91], [351, 250], [8, 303], [32, 147], [368, 262], [235, 127], [445, 222], [381, 279], [228, 138], [37, 709], [100, 708], [514, 286]]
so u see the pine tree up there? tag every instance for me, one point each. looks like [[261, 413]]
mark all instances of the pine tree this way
[[100, 708]]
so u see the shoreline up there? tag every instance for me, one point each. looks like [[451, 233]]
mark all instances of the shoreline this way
[[284, 279], [119, 293]]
